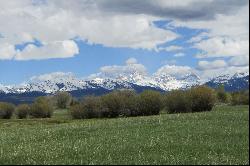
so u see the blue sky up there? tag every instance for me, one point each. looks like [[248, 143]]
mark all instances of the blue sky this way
[[81, 42], [92, 57]]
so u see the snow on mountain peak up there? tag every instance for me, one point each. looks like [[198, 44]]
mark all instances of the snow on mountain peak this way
[[169, 82], [51, 83], [224, 78], [240, 75]]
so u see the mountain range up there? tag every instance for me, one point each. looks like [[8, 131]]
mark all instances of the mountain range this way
[[101, 84]]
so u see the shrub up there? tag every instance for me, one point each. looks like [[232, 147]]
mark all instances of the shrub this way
[[150, 103], [117, 103], [132, 106], [22, 111], [6, 110], [41, 108], [114, 104], [74, 101], [87, 109], [63, 99], [222, 95], [91, 106], [202, 98], [240, 98], [77, 111], [129, 103], [177, 102]]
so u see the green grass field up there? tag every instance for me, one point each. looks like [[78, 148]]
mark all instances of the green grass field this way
[[217, 137]]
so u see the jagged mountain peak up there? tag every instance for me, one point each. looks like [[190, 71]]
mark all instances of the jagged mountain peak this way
[[240, 75], [51, 83], [231, 82], [225, 77]]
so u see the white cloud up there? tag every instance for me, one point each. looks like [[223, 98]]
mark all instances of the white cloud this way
[[228, 34], [131, 61], [7, 51], [231, 70], [234, 26], [239, 61], [131, 67], [181, 54], [211, 69], [52, 76], [124, 23], [198, 38], [64, 49], [222, 47], [206, 65], [176, 71], [126, 31], [54, 21]]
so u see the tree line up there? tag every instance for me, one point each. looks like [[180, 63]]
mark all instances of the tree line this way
[[126, 103]]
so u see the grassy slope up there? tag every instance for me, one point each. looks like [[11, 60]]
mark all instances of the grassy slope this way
[[217, 137]]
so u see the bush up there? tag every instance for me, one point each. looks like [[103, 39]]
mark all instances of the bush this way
[[91, 107], [22, 111], [112, 103], [177, 102], [41, 108], [222, 95], [240, 98], [77, 111], [118, 103], [150, 103], [63, 99], [73, 102], [202, 98], [87, 109], [6, 110]]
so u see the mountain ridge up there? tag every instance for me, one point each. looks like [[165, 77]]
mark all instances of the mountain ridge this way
[[49, 84], [55, 82]]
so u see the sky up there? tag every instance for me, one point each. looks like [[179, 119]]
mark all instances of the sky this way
[[86, 37]]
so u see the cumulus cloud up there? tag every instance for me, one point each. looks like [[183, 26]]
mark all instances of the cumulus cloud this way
[[207, 71], [112, 23], [176, 71], [178, 9], [227, 34], [7, 51], [52, 76], [206, 65], [131, 61], [129, 68], [210, 69], [239, 61], [222, 47], [64, 49], [53, 21], [231, 70], [234, 26]]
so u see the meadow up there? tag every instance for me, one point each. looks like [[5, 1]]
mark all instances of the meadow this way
[[217, 137]]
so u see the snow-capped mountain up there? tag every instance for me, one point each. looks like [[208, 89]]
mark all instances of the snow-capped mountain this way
[[235, 82], [168, 82], [52, 83], [55, 82], [49, 83], [162, 81]]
